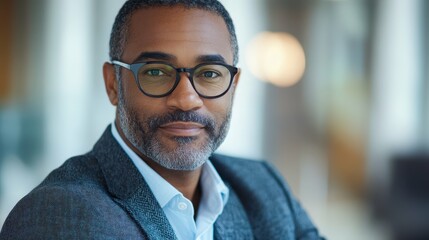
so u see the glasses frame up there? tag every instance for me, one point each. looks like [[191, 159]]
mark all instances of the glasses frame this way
[[134, 68]]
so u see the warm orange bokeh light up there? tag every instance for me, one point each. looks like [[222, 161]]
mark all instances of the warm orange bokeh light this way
[[277, 58]]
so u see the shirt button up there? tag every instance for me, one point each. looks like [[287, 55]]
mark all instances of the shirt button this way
[[182, 206]]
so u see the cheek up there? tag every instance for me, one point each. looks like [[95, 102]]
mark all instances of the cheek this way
[[129, 89], [146, 108], [219, 108], [142, 104]]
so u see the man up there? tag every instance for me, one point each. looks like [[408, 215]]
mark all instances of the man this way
[[152, 175]]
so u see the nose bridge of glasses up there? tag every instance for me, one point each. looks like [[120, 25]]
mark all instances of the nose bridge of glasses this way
[[184, 91], [186, 71]]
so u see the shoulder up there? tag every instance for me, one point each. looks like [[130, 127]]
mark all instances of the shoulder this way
[[83, 168], [75, 178], [225, 161], [266, 197], [245, 169], [254, 180], [69, 203]]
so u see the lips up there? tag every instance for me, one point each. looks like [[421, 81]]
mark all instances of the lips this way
[[182, 129]]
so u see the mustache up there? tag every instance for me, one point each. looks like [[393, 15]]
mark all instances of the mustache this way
[[181, 116]]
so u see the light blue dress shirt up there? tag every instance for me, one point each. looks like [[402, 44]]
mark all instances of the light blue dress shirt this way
[[178, 209]]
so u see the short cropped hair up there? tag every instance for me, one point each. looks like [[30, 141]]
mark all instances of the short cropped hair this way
[[118, 36]]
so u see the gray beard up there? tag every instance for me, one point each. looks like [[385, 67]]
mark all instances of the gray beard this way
[[187, 155]]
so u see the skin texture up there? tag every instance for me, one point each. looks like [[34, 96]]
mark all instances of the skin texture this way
[[185, 35]]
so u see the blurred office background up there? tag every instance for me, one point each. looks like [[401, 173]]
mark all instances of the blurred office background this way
[[350, 134]]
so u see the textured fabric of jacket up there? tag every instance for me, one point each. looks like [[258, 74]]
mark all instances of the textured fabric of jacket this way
[[101, 195]]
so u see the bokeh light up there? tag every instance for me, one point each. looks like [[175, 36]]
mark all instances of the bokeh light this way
[[277, 58]]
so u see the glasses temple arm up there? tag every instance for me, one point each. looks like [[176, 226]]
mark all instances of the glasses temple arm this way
[[119, 63]]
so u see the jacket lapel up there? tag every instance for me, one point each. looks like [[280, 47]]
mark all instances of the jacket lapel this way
[[129, 188], [233, 222]]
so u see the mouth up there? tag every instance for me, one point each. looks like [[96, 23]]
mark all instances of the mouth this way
[[182, 129]]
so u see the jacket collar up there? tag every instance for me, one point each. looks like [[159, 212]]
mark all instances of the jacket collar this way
[[129, 188]]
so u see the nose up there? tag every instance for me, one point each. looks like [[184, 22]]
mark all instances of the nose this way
[[184, 96]]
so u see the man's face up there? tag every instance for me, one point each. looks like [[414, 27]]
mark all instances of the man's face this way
[[181, 130]]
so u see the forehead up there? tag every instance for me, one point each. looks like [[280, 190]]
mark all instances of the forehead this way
[[184, 33]]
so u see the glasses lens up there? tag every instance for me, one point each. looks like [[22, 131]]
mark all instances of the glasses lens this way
[[212, 80], [156, 78]]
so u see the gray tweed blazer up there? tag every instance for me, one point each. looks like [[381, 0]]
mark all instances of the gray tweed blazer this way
[[102, 195]]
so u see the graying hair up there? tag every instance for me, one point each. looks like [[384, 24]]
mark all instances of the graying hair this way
[[118, 36]]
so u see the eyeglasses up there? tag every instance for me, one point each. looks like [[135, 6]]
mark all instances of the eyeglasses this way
[[159, 79]]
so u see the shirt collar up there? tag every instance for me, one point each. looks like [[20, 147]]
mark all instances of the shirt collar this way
[[210, 179], [163, 191]]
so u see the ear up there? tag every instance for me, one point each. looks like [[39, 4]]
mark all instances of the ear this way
[[110, 82], [236, 80]]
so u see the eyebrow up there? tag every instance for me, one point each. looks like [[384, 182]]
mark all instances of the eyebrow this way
[[155, 55], [210, 58]]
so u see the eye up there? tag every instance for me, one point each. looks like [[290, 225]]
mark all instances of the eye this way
[[155, 72], [210, 74]]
